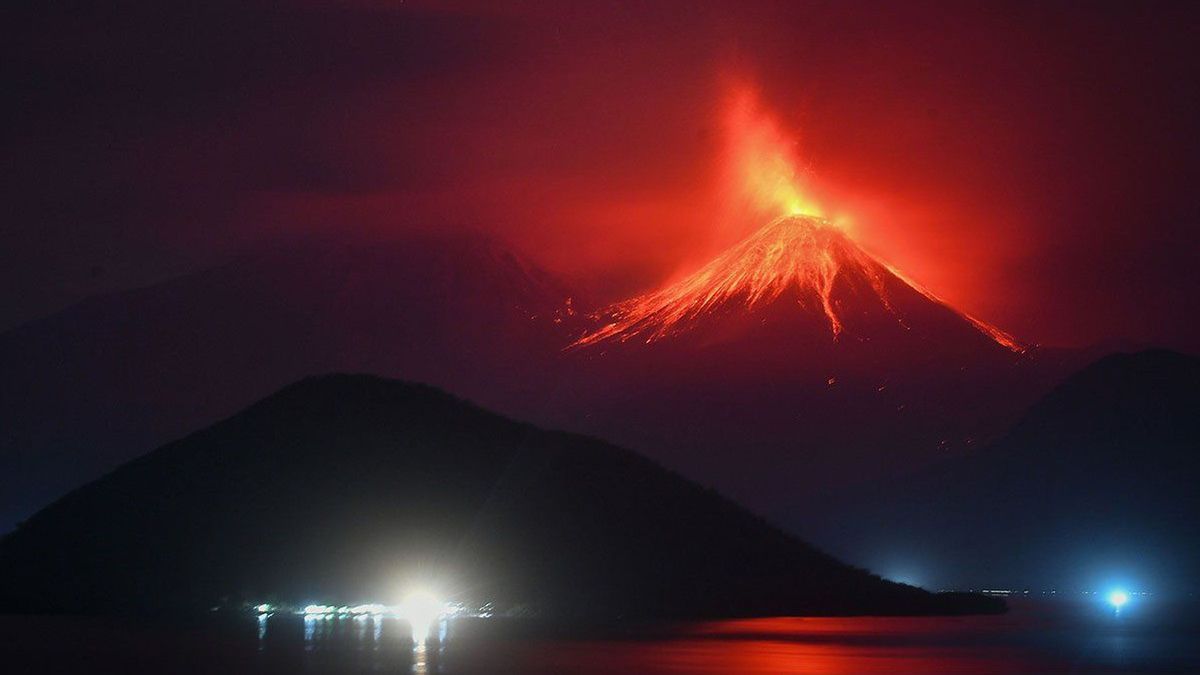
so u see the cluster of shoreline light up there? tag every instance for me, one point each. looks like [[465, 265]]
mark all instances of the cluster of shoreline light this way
[[422, 611], [1052, 591], [1115, 597], [372, 609]]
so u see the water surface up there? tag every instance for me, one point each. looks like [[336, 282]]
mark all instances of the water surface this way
[[1061, 637]]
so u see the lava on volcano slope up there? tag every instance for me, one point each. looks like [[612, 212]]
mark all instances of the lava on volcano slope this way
[[802, 253]]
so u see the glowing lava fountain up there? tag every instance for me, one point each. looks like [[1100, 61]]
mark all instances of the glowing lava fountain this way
[[807, 255]]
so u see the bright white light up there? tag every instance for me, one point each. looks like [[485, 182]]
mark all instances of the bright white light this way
[[421, 609], [1118, 598], [319, 609], [263, 608]]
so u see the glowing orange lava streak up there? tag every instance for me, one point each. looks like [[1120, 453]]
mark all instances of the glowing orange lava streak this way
[[804, 253]]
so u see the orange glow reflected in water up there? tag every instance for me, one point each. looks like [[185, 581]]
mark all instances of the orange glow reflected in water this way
[[826, 646]]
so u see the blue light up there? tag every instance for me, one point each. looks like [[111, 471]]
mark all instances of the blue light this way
[[1117, 598]]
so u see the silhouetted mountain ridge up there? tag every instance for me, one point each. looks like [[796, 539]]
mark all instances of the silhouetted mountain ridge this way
[[1096, 480], [341, 488]]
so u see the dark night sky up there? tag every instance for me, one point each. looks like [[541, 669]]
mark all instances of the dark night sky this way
[[1035, 164]]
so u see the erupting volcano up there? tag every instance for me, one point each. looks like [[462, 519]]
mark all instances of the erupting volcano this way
[[806, 357], [798, 261], [803, 259]]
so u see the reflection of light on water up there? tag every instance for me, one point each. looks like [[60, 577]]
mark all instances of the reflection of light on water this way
[[360, 629], [420, 659], [310, 629], [832, 646], [332, 636]]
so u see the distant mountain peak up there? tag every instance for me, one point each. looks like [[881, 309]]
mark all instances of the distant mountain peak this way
[[801, 254]]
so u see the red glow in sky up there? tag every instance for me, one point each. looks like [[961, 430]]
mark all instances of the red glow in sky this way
[[1031, 164]]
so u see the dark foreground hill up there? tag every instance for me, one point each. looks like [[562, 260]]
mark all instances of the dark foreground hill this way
[[346, 488], [1095, 485]]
